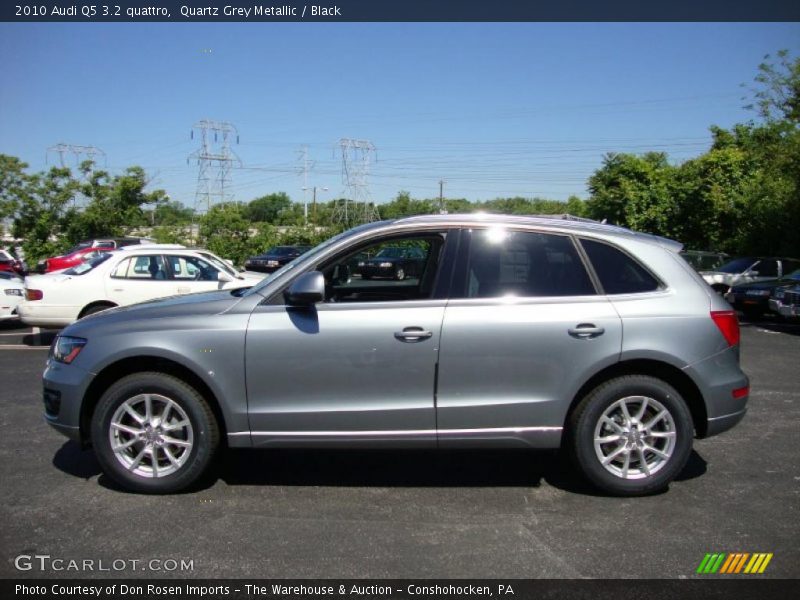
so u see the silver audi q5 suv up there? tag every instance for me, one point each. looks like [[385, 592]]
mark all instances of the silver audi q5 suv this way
[[516, 331]]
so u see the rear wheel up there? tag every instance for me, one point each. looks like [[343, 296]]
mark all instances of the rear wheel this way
[[631, 435], [153, 433]]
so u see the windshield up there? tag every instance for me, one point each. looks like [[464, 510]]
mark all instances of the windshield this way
[[219, 263], [738, 265], [88, 265]]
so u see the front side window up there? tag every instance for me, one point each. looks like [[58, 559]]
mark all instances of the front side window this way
[[504, 263], [399, 269], [192, 268], [618, 273]]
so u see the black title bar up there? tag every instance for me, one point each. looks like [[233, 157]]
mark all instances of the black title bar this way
[[121, 11], [744, 588]]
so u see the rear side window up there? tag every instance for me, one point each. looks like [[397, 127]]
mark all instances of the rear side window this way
[[618, 272], [510, 263]]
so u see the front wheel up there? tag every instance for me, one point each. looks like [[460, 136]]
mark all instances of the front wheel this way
[[631, 435], [153, 433]]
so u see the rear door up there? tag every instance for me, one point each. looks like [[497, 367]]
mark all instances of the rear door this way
[[523, 325], [139, 278]]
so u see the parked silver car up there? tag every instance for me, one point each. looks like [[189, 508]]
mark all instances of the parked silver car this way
[[518, 331]]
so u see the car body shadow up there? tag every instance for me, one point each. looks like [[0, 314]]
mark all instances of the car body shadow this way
[[74, 460], [376, 468]]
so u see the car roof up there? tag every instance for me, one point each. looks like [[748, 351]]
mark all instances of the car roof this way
[[149, 247], [564, 222]]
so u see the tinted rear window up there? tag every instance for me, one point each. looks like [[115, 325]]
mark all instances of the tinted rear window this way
[[618, 272]]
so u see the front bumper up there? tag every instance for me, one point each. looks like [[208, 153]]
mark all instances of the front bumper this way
[[64, 387], [785, 310]]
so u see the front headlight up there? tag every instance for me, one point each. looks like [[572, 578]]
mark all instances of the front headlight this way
[[779, 294], [385, 265], [757, 293], [65, 348], [272, 263], [13, 292]]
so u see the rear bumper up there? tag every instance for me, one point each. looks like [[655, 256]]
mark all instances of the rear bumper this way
[[717, 377], [40, 315], [717, 425]]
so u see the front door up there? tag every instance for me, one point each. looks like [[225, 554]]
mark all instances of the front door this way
[[358, 367]]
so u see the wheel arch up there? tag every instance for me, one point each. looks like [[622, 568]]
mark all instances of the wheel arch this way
[[106, 303], [668, 373], [139, 364]]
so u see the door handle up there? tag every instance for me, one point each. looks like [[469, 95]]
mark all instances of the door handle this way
[[413, 334], [586, 331]]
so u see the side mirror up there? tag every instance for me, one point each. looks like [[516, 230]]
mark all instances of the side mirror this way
[[224, 277], [307, 289], [753, 273]]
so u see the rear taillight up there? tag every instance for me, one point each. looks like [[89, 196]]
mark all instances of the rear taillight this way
[[728, 325], [740, 393], [33, 294]]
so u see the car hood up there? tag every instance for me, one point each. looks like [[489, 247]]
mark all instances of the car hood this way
[[188, 305]]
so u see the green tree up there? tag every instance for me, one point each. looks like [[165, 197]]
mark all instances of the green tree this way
[[14, 184], [635, 191], [114, 203], [267, 209], [225, 230], [777, 93], [43, 211]]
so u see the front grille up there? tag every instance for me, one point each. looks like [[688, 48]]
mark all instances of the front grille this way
[[52, 402], [791, 297]]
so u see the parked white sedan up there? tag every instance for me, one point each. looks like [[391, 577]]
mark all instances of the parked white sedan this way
[[12, 290], [125, 276]]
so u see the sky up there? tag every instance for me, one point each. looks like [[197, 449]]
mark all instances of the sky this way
[[492, 109]]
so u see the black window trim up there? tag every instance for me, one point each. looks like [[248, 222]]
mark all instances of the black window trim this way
[[441, 286]]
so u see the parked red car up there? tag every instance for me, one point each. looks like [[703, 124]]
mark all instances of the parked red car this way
[[9, 263], [83, 251]]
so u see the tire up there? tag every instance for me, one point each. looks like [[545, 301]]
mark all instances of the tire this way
[[399, 274], [645, 471], [95, 309], [194, 429]]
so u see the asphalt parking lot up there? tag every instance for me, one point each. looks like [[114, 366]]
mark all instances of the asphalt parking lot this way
[[273, 514]]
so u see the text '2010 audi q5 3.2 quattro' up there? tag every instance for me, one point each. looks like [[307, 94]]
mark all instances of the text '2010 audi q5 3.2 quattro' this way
[[514, 331]]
